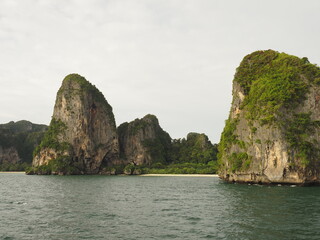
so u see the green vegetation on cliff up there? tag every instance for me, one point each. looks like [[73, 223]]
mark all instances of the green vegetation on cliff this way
[[228, 138], [23, 136], [85, 86], [239, 161], [63, 165], [195, 154], [196, 148], [70, 90], [274, 85], [298, 130], [158, 147], [272, 81], [51, 138], [147, 133]]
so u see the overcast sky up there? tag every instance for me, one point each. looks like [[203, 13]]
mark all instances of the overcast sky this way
[[172, 58]]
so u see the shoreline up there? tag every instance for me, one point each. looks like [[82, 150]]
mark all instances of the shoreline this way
[[178, 175], [144, 175]]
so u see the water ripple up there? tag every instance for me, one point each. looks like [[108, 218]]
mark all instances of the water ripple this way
[[102, 207]]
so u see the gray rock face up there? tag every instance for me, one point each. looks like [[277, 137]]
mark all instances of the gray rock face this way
[[272, 134], [82, 129], [143, 141]]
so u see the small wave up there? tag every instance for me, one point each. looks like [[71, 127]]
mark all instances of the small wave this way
[[210, 237], [164, 199], [193, 219], [170, 210], [169, 236], [19, 203], [6, 237], [109, 216]]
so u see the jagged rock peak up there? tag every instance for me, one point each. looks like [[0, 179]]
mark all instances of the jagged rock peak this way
[[82, 136], [76, 85], [143, 141], [272, 134]]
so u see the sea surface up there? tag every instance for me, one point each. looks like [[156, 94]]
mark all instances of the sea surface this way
[[137, 207]]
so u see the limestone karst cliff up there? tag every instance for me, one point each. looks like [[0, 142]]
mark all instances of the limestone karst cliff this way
[[82, 136], [17, 142], [143, 141], [272, 134]]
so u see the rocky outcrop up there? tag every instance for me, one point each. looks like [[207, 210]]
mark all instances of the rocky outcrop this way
[[82, 136], [143, 141], [17, 142], [82, 139], [272, 134]]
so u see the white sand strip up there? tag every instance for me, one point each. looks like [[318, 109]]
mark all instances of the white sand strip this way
[[179, 175]]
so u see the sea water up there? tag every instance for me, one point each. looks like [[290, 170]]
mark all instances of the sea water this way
[[137, 207]]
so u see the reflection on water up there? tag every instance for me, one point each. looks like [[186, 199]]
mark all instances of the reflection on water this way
[[103, 207]]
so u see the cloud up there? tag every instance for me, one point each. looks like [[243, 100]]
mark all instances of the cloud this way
[[175, 59]]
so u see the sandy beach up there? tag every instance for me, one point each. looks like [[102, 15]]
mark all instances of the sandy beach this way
[[179, 175], [156, 175]]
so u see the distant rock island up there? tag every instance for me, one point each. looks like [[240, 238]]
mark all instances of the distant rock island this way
[[17, 142], [272, 134], [143, 142], [82, 138]]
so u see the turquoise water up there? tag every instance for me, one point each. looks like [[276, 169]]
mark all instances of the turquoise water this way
[[119, 207]]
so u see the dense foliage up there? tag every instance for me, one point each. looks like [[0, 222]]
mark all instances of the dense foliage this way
[[239, 161], [274, 85], [228, 138], [183, 168], [22, 166], [272, 81], [22, 136], [158, 168], [62, 165], [298, 130], [193, 155], [51, 138], [195, 149]]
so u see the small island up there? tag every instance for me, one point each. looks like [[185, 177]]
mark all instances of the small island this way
[[272, 134]]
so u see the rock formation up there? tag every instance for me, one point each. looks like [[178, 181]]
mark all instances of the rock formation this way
[[82, 136], [273, 131], [17, 142], [143, 141], [82, 139]]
